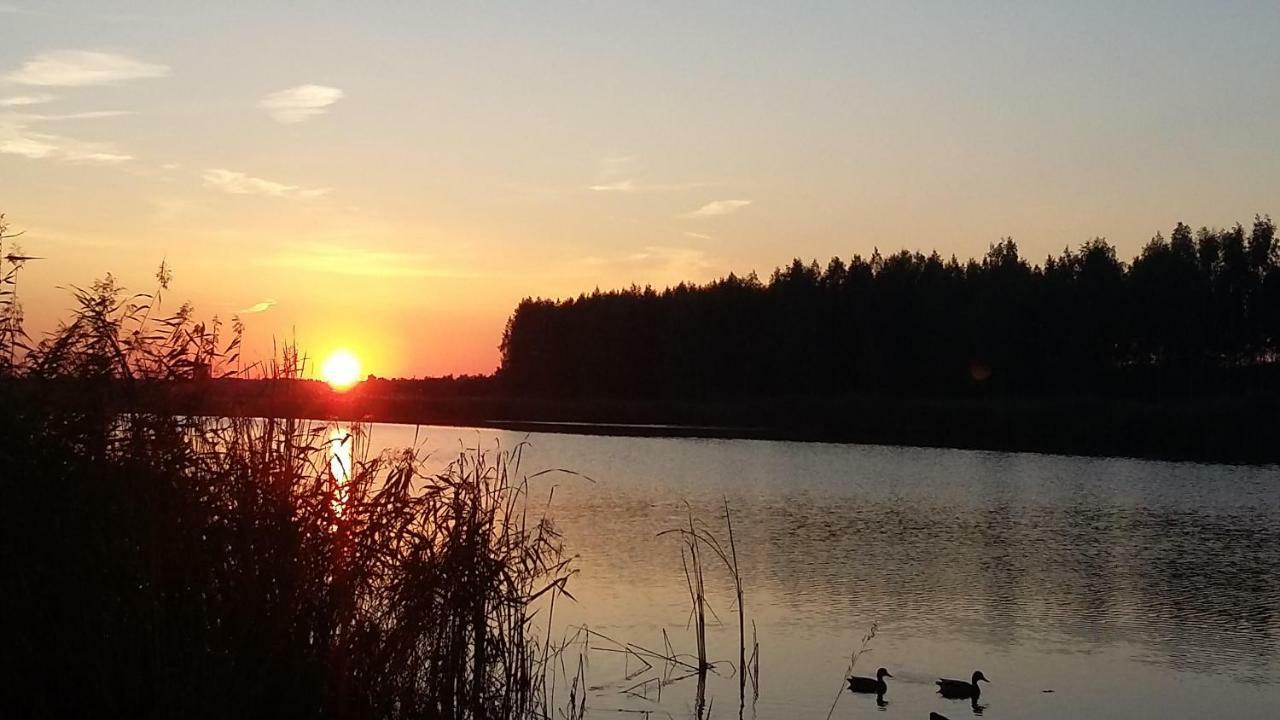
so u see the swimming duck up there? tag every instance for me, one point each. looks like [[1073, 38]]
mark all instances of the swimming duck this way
[[870, 685], [936, 716], [961, 690]]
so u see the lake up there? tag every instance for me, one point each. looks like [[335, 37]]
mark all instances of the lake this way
[[1128, 588]]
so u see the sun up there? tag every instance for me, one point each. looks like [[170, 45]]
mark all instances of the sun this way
[[341, 370]]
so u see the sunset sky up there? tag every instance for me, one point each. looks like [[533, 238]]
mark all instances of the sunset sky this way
[[394, 177]]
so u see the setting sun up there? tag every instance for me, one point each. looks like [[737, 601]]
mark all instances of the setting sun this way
[[341, 370]]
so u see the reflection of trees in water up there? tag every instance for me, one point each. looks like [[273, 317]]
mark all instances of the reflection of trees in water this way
[[1197, 588]]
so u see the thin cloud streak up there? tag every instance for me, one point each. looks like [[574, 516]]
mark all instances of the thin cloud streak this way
[[97, 156], [17, 139], [91, 115], [27, 146], [261, 307], [300, 103], [238, 183], [718, 208], [621, 186], [630, 186], [25, 100], [81, 68]]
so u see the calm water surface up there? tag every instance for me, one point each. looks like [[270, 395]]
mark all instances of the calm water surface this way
[[1131, 589]]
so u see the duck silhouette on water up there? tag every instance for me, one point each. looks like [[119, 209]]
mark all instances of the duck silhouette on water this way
[[876, 685], [961, 690]]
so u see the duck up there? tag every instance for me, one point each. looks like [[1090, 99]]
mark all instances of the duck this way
[[870, 685], [961, 690], [938, 716]]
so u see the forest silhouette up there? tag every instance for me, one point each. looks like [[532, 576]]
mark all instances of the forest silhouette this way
[[1189, 310]]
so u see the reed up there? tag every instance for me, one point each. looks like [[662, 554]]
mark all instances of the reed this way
[[168, 566], [863, 649], [12, 260], [697, 538]]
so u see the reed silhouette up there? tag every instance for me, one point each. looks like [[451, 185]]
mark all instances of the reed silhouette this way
[[853, 662], [164, 565]]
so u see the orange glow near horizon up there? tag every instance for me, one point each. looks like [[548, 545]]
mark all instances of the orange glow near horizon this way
[[341, 370]]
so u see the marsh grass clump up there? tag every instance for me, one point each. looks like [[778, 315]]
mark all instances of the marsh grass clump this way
[[173, 566]]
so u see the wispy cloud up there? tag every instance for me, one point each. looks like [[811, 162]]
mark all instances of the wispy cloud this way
[[24, 100], [631, 186], [717, 208], [696, 236], [620, 186], [79, 68], [300, 103], [97, 156], [261, 307], [90, 115], [16, 138], [27, 146], [238, 183]]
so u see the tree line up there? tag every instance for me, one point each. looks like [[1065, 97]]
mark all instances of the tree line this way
[[1195, 305]]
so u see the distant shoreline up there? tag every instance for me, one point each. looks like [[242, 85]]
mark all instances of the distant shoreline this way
[[1232, 425], [784, 435], [627, 429]]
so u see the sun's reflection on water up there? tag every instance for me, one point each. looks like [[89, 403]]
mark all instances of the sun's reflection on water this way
[[340, 456]]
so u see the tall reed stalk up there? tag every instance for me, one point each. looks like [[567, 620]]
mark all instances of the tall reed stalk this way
[[695, 538], [12, 337], [853, 661]]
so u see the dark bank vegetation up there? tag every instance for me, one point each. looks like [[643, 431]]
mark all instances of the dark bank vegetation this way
[[1172, 355], [161, 565], [1191, 313]]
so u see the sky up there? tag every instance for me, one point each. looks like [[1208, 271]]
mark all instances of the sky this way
[[393, 177]]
